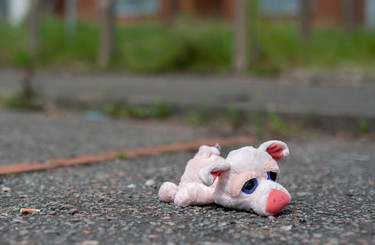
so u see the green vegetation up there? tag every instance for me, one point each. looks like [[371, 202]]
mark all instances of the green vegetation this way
[[278, 124], [362, 126], [257, 123], [190, 45], [200, 115], [122, 156], [20, 102], [161, 110], [235, 116], [158, 110]]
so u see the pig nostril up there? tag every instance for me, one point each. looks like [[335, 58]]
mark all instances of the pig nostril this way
[[276, 201]]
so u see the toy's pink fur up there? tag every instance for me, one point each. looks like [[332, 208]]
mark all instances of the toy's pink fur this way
[[239, 180], [191, 190], [209, 178]]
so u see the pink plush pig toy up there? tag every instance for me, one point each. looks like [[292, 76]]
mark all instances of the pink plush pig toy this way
[[246, 179]]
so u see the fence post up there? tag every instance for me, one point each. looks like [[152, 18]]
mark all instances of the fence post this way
[[305, 17], [348, 8], [252, 33], [70, 17], [33, 34], [106, 44], [33, 28], [239, 37]]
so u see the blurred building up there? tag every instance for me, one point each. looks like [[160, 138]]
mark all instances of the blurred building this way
[[324, 12], [14, 11]]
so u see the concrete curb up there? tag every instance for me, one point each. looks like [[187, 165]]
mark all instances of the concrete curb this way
[[328, 104]]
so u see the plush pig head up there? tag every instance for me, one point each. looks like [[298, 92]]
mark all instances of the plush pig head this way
[[247, 179]]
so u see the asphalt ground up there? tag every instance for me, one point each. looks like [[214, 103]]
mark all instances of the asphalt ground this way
[[33, 137], [330, 178]]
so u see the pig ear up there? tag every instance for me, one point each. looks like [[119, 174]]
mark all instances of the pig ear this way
[[209, 173], [277, 149]]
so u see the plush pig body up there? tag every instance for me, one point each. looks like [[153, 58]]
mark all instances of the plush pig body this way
[[246, 179], [191, 190]]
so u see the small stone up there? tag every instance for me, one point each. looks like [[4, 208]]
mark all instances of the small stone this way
[[17, 220], [73, 211], [92, 242], [317, 235], [49, 231], [24, 233], [150, 182], [53, 212], [272, 218], [6, 189], [131, 186], [286, 228]]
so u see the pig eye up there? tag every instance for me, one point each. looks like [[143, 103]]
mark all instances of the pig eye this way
[[250, 186], [272, 175]]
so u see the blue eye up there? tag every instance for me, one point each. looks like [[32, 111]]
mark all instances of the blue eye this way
[[250, 186], [272, 176]]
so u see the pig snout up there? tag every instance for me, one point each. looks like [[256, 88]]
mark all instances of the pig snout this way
[[276, 201]]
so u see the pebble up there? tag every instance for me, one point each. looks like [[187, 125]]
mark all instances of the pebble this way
[[23, 233], [150, 182], [17, 220], [73, 211], [91, 242], [286, 228]]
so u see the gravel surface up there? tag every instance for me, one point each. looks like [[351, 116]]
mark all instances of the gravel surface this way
[[331, 181], [39, 137]]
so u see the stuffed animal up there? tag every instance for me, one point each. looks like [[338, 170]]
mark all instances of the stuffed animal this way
[[246, 179]]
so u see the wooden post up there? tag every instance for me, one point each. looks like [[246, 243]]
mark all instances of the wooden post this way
[[348, 8], [70, 17], [239, 37], [33, 34], [305, 17], [252, 33], [106, 44], [33, 28], [174, 8]]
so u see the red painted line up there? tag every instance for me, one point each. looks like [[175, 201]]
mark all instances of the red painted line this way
[[129, 153]]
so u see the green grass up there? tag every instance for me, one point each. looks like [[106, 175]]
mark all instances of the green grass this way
[[362, 126], [188, 45], [18, 101], [122, 156], [157, 110], [327, 48]]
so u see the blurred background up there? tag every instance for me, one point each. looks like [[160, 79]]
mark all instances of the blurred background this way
[[262, 37], [263, 42]]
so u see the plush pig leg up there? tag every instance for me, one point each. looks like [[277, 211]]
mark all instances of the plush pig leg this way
[[192, 194], [167, 191]]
